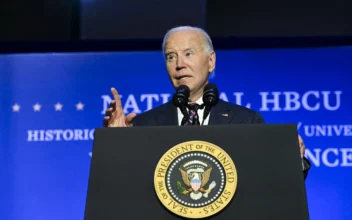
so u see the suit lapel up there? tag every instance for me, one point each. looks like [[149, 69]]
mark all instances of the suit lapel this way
[[220, 114], [167, 115]]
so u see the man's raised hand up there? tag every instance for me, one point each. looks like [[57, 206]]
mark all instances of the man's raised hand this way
[[114, 115]]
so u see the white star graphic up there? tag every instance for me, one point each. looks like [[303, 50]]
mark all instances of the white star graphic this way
[[37, 107], [16, 107], [58, 106], [79, 106]]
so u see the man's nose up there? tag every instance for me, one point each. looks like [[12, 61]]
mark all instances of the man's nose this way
[[180, 64]]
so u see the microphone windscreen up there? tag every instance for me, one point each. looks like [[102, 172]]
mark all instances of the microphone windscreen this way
[[211, 87], [181, 95], [183, 89], [210, 94]]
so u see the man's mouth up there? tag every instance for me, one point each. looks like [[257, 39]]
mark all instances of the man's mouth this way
[[182, 77]]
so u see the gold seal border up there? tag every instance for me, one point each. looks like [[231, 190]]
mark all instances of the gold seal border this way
[[213, 208]]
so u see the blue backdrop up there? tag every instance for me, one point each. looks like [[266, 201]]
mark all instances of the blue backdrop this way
[[50, 104]]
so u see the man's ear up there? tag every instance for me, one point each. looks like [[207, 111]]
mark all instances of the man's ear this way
[[212, 61]]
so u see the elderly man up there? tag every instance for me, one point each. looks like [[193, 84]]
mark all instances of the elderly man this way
[[190, 58]]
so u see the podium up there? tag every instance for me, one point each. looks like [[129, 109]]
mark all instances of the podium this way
[[242, 172]]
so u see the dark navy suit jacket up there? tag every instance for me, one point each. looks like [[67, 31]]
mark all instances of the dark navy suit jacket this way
[[166, 115]]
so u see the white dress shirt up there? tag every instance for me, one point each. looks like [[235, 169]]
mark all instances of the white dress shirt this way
[[200, 114]]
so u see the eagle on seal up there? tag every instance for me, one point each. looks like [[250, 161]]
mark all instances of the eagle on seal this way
[[196, 175]]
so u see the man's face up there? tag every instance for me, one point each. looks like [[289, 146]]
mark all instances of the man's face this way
[[187, 62]]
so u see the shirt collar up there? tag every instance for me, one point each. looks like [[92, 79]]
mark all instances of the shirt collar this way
[[200, 101]]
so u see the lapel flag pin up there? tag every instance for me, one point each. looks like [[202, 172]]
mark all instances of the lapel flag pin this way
[[225, 115]]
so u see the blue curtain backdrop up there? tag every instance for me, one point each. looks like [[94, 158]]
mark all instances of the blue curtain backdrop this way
[[50, 104]]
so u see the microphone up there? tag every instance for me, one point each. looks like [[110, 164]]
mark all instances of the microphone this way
[[180, 98], [210, 98]]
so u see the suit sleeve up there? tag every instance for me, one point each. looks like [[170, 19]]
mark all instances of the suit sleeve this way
[[258, 119]]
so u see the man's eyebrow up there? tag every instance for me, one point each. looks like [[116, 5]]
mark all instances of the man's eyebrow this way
[[169, 51], [188, 48]]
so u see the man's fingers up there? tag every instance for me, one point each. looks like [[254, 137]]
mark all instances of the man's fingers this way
[[114, 115], [300, 139], [106, 121], [108, 112], [117, 99], [113, 105], [128, 120], [302, 148], [129, 117]]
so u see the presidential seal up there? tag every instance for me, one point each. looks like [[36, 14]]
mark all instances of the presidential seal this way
[[195, 179]]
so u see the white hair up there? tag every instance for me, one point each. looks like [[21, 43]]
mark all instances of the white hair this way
[[208, 45]]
